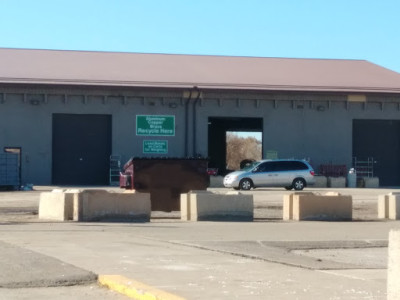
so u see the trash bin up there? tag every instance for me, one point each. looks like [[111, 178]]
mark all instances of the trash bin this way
[[352, 178], [165, 179]]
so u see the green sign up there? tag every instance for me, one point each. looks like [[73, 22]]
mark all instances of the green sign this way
[[272, 154], [155, 125], [160, 147]]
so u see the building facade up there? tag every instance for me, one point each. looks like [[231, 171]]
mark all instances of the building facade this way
[[67, 112]]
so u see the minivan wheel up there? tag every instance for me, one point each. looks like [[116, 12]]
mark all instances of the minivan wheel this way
[[245, 184], [299, 184]]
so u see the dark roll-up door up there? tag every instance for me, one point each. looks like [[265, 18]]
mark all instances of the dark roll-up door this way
[[379, 139], [81, 149]]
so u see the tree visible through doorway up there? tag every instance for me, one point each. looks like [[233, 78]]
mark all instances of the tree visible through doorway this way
[[242, 146]]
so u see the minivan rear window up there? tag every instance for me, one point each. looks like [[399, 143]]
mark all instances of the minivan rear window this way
[[298, 165]]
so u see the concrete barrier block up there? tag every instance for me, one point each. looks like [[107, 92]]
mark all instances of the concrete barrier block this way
[[394, 206], [320, 181], [336, 182], [288, 204], [332, 193], [185, 207], [383, 206], [309, 206], [288, 207], [371, 182], [393, 273], [56, 205], [389, 206], [208, 206], [216, 181], [94, 205]]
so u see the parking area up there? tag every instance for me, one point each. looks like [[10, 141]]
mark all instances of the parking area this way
[[265, 259]]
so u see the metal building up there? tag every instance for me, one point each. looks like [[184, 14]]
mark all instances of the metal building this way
[[68, 111]]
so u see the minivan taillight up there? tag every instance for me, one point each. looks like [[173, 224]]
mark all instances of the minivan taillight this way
[[312, 172]]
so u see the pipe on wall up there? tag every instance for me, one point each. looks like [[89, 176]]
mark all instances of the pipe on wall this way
[[187, 123], [198, 97]]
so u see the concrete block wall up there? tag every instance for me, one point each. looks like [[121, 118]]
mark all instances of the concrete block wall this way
[[320, 182], [368, 182], [336, 182], [208, 206], [309, 206], [94, 205], [371, 182], [389, 206], [216, 181]]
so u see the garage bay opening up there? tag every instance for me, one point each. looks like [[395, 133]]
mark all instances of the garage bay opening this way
[[232, 141]]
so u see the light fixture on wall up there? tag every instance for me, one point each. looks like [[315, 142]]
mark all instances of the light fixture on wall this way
[[357, 98], [320, 108]]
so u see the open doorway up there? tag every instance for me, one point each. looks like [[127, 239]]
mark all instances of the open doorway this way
[[217, 136]]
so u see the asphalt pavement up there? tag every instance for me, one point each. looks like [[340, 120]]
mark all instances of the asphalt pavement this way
[[265, 259]]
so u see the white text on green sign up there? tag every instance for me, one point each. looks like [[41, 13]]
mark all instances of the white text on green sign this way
[[161, 125], [159, 147]]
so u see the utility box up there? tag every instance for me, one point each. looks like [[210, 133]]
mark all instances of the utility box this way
[[165, 179], [9, 171]]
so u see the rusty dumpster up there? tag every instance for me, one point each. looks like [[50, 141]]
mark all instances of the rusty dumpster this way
[[165, 179]]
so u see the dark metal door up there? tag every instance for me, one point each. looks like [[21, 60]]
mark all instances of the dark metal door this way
[[379, 139], [81, 149]]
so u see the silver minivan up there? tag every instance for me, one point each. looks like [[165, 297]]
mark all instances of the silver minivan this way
[[287, 173]]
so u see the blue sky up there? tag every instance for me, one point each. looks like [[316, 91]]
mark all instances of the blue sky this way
[[348, 29]]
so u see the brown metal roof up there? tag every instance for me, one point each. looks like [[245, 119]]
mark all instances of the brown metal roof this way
[[215, 72]]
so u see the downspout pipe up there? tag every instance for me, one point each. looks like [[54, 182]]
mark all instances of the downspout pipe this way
[[187, 123], [195, 120]]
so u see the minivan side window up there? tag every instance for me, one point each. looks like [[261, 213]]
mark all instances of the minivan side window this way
[[270, 166], [289, 166], [284, 166], [262, 167], [298, 165], [265, 167]]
